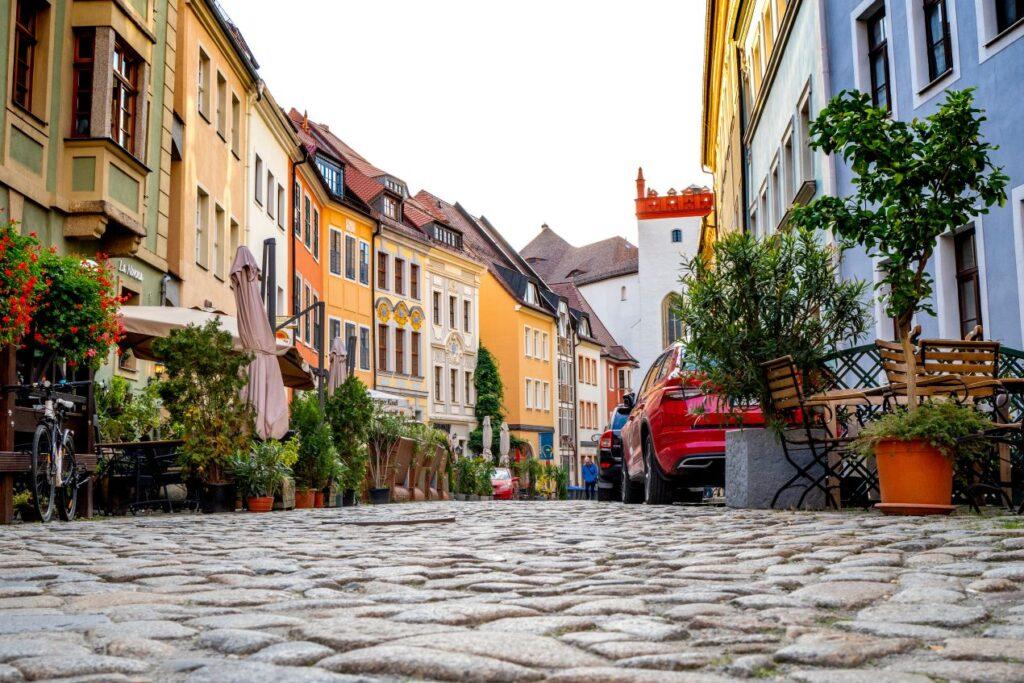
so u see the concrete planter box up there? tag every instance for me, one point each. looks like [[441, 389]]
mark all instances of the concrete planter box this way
[[756, 468], [285, 499]]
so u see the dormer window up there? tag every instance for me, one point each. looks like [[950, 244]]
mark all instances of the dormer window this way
[[392, 208], [333, 175], [584, 327], [452, 238], [531, 293], [394, 186]]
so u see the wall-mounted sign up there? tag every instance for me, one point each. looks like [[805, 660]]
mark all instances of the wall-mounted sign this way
[[126, 268]]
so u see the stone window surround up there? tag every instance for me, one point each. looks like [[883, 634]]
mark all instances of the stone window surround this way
[[989, 42], [925, 89], [859, 41]]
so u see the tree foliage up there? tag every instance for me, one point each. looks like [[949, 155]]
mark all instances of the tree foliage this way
[[756, 300], [317, 453], [349, 411], [125, 415], [490, 399], [915, 181], [200, 387]]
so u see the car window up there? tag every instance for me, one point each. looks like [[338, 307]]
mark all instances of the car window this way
[[501, 473], [652, 375], [619, 419], [667, 366]]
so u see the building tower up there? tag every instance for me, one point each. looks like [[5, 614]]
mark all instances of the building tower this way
[[668, 232]]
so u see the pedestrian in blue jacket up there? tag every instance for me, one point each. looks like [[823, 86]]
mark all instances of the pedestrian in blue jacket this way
[[590, 478]]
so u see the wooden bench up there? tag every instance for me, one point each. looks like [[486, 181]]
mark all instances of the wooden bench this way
[[13, 464]]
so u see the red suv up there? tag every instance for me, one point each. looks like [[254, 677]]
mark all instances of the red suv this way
[[674, 439]]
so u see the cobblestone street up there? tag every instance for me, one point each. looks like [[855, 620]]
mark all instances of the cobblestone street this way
[[560, 591]]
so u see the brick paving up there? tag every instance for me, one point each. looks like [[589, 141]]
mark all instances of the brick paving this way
[[560, 591]]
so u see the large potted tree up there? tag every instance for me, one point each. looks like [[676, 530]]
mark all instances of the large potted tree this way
[[317, 453], [349, 412], [386, 430], [200, 387], [916, 182]]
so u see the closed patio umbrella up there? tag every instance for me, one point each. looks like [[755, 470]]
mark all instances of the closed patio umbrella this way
[[339, 366], [265, 390]]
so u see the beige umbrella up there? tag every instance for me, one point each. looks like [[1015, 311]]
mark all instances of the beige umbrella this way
[[265, 390], [339, 366]]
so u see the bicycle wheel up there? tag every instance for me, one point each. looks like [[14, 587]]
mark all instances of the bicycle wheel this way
[[67, 493], [43, 489]]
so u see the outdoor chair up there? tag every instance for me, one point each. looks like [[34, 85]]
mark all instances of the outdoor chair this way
[[432, 476], [809, 425], [401, 487], [421, 463]]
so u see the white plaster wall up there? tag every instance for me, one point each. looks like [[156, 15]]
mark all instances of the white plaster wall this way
[[622, 318], [260, 225], [661, 265]]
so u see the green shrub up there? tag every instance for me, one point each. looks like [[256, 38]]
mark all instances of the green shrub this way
[[125, 415], [261, 471], [316, 452], [349, 412]]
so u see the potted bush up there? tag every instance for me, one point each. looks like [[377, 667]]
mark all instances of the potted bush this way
[[386, 429], [484, 471], [349, 411], [917, 450], [201, 389], [316, 453], [260, 472], [916, 181]]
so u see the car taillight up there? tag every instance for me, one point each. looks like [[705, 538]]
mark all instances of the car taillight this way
[[605, 465], [606, 440], [682, 393]]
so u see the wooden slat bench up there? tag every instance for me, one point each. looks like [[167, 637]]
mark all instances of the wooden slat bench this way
[[14, 463]]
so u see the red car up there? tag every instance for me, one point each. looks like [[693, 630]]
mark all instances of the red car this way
[[504, 484], [674, 439]]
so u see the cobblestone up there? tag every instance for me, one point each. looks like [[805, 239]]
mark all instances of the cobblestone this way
[[514, 592]]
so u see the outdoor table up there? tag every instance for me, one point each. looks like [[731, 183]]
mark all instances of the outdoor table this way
[[147, 465]]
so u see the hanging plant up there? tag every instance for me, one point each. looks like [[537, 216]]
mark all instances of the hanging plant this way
[[77, 314], [19, 282]]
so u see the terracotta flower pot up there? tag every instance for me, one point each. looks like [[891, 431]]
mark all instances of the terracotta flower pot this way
[[318, 499], [915, 478], [304, 499], [261, 504]]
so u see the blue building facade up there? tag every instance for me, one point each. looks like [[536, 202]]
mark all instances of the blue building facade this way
[[907, 53]]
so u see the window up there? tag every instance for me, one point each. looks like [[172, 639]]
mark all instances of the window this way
[[529, 394], [579, 365], [364, 348], [526, 341], [236, 128], [257, 191], [202, 227], [316, 234], [382, 348], [364, 263], [333, 175], [467, 393], [317, 323], [438, 386], [334, 248], [806, 153], [448, 236], [297, 210], [1008, 13], [753, 222], [81, 103], [437, 308], [622, 294], [624, 382], [296, 300], [382, 270], [305, 318], [544, 347], [233, 242], [218, 241], [350, 257], [414, 353], [399, 276], [400, 350], [222, 106], [788, 171], [939, 43], [677, 235], [531, 293], [414, 280], [547, 396], [878, 60], [673, 324], [453, 304], [467, 310], [776, 194], [280, 206], [270, 194], [125, 93], [766, 220], [26, 37], [968, 284], [350, 337], [307, 216], [203, 85], [453, 384], [333, 331], [536, 344], [391, 207]]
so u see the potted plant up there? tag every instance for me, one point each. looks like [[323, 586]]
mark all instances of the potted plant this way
[[349, 412], [20, 283], [386, 429], [201, 390], [259, 473], [916, 452], [484, 471], [316, 453]]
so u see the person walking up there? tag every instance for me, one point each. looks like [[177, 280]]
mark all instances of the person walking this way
[[590, 478]]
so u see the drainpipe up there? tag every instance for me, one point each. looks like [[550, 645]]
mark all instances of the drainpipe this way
[[743, 152], [373, 305]]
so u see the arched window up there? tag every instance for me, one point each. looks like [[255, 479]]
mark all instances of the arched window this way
[[672, 325], [677, 235]]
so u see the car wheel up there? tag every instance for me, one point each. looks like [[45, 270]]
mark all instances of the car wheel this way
[[631, 493], [657, 490]]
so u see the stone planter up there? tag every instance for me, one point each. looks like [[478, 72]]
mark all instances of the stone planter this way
[[285, 499], [756, 468]]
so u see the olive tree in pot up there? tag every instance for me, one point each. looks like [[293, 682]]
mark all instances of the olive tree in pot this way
[[349, 412], [260, 472], [752, 301], [916, 181], [386, 428], [201, 389]]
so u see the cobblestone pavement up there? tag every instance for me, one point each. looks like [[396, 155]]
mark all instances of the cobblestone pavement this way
[[560, 591]]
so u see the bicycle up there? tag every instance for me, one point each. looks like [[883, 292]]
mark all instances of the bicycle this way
[[55, 476]]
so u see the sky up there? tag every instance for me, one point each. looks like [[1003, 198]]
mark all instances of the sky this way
[[527, 112]]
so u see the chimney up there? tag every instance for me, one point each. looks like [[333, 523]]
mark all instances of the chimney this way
[[640, 184]]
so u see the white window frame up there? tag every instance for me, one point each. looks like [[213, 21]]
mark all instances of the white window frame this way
[[341, 327], [924, 89], [947, 302], [859, 41], [529, 396], [527, 335], [989, 44]]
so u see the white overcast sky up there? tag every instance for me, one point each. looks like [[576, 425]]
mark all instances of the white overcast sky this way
[[527, 112]]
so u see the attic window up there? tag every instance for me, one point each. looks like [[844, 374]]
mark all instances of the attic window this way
[[531, 293], [391, 208], [447, 236], [333, 175], [584, 327]]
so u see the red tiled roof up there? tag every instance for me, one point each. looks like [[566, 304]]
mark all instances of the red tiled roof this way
[[416, 214], [431, 204]]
